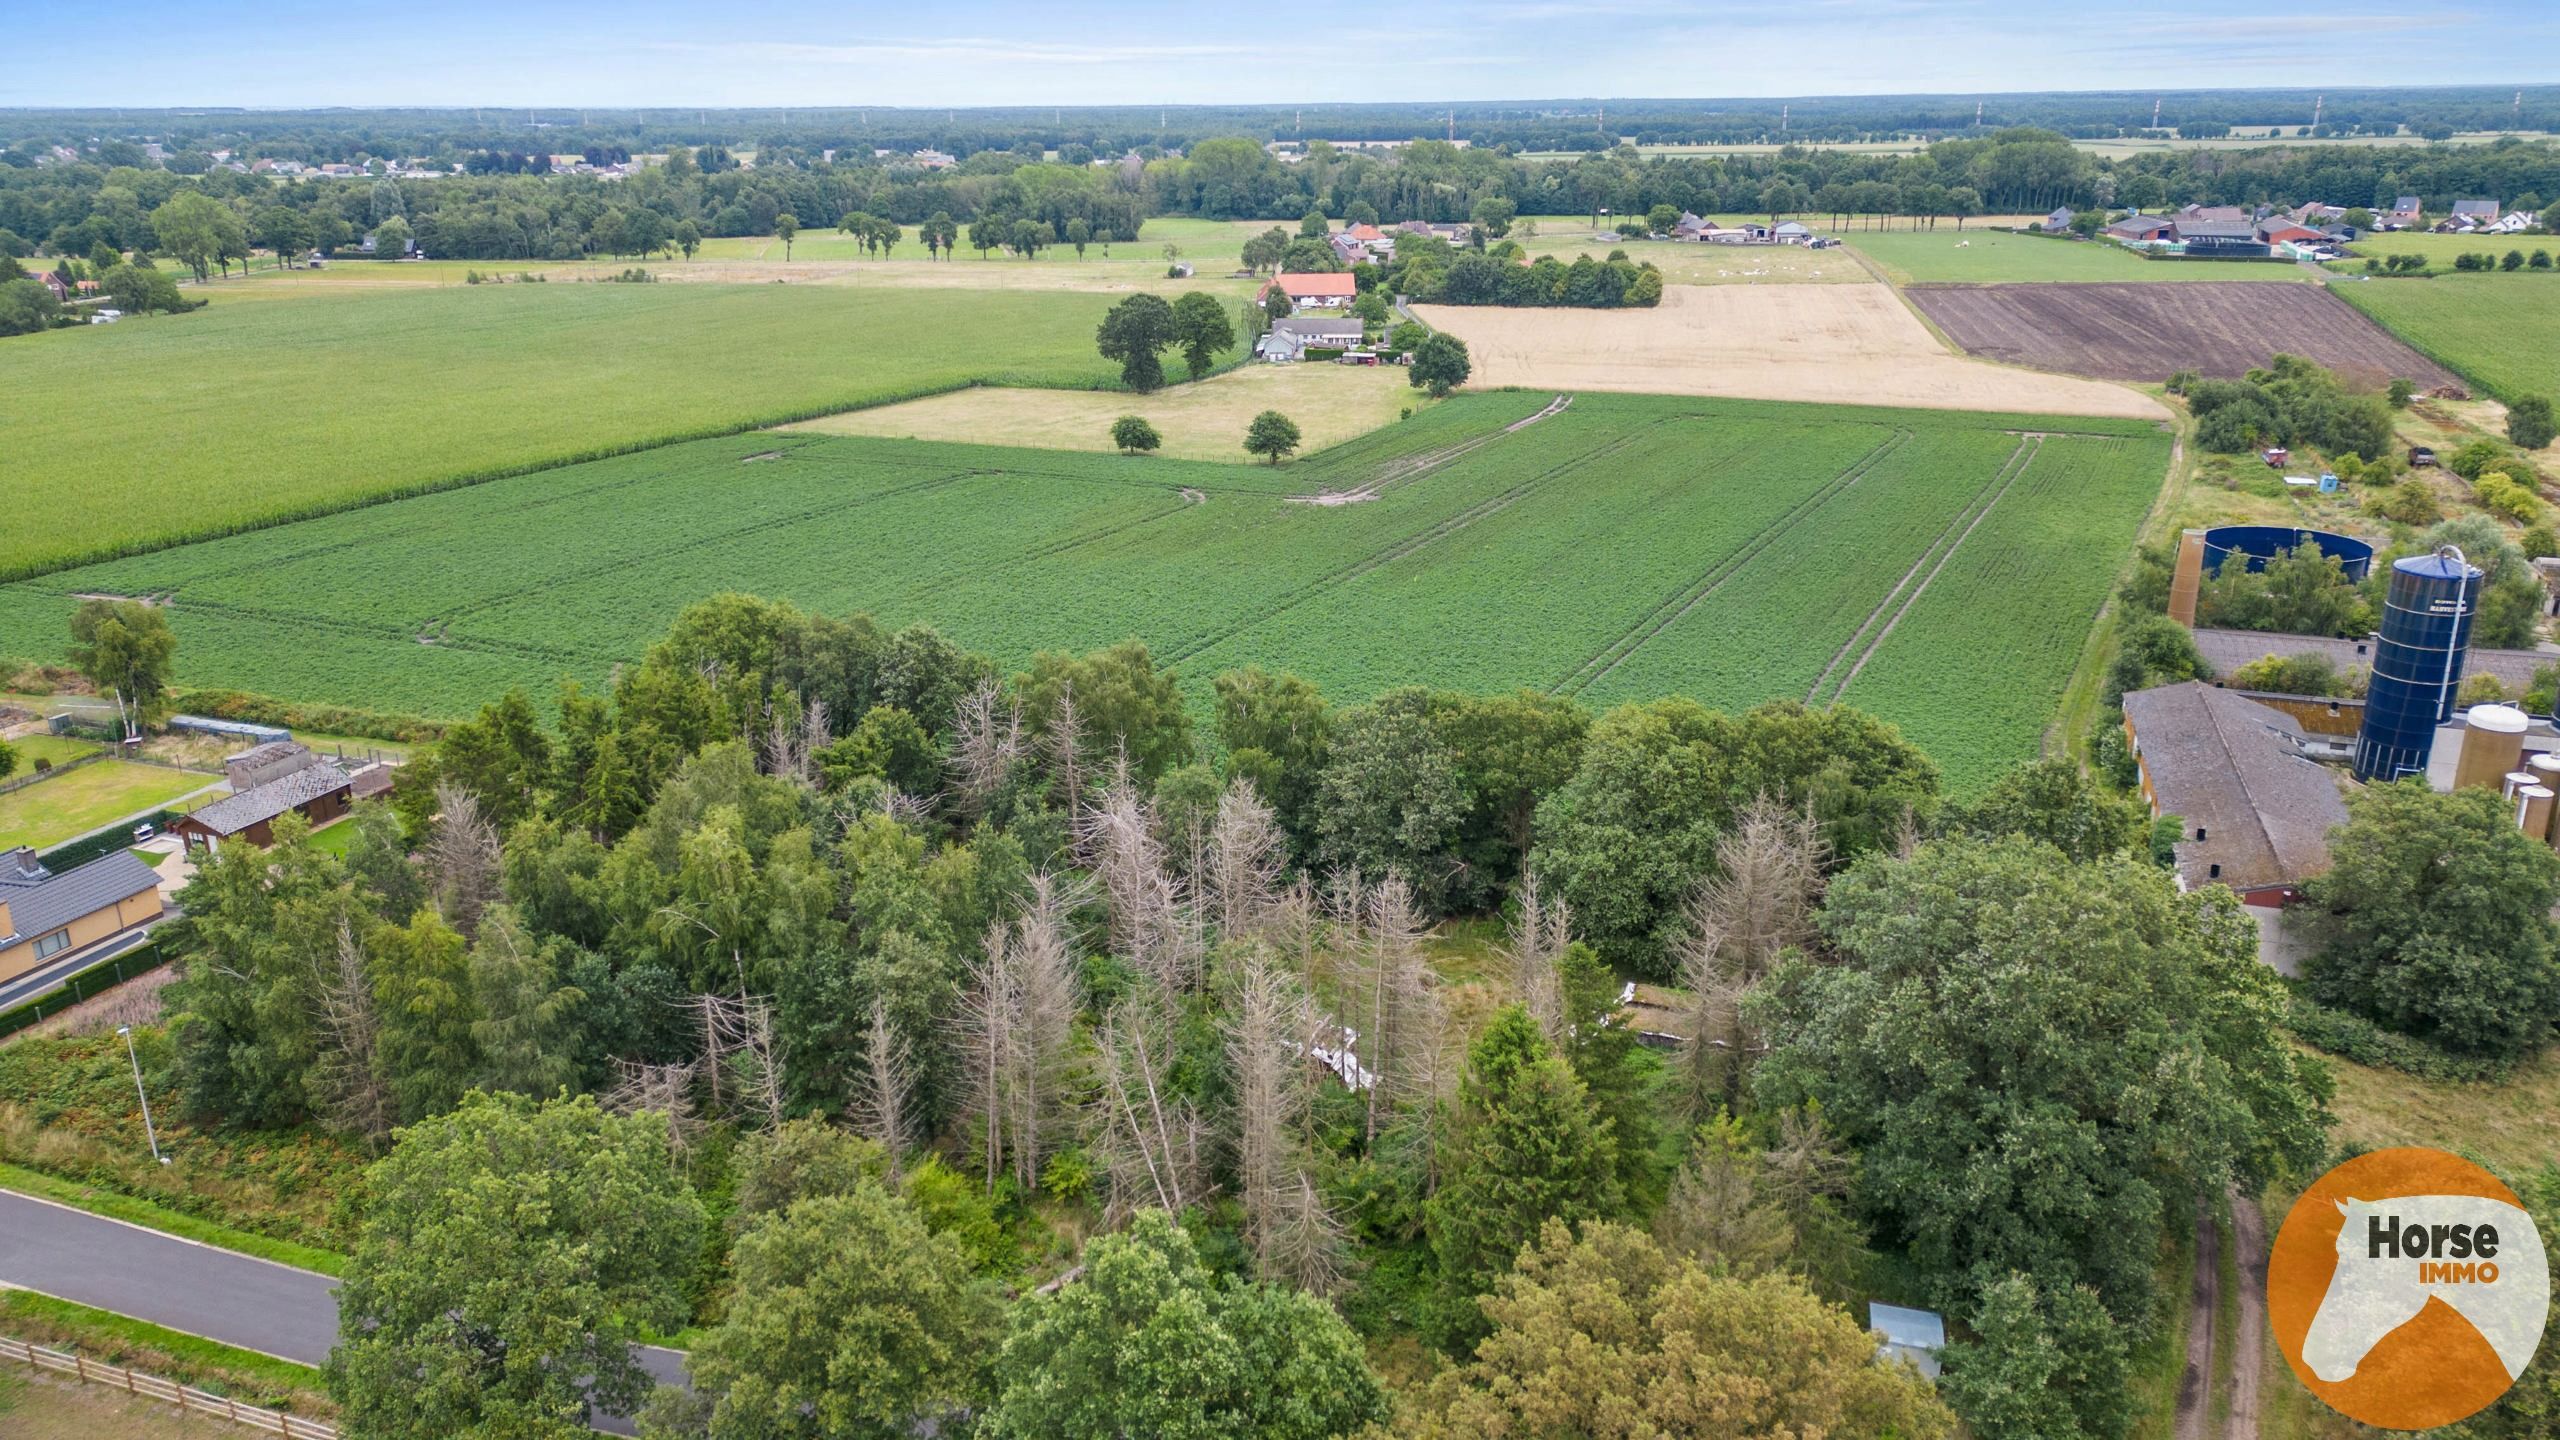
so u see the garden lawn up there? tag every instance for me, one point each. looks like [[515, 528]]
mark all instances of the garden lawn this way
[[1622, 548], [1974, 256], [57, 748], [241, 415], [78, 801], [2494, 330]]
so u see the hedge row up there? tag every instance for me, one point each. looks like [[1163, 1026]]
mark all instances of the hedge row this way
[[2352, 1037]]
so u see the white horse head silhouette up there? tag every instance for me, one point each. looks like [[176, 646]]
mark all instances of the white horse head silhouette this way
[[2370, 1296]]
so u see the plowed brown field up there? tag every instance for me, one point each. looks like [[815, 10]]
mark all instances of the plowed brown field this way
[[2152, 331]]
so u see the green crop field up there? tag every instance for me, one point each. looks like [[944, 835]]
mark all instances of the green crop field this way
[[2495, 330], [2442, 250], [1625, 547], [126, 436], [1985, 257], [1213, 245]]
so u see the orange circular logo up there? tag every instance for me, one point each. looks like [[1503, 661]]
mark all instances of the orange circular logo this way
[[2408, 1288]]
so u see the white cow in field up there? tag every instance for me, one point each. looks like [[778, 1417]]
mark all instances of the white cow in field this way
[[2432, 1247]]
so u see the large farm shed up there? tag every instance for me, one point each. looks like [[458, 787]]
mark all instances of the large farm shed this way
[[2152, 331]]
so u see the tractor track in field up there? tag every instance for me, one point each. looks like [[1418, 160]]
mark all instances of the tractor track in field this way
[[1598, 666], [1430, 462], [1943, 548], [1440, 530]]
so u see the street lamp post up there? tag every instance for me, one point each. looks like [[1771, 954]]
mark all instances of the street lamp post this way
[[148, 1132]]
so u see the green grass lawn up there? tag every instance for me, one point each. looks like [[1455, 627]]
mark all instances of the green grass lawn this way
[[60, 749], [55, 810], [244, 414], [2441, 250], [1984, 257], [2495, 330]]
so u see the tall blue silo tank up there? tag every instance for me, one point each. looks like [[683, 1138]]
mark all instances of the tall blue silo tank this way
[[2417, 662]]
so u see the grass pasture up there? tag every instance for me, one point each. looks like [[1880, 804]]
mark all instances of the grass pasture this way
[[1975, 256], [1331, 403], [1626, 547], [1691, 263], [2494, 330], [245, 414], [78, 801], [2440, 251]]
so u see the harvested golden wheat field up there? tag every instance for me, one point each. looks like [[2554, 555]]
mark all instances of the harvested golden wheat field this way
[[1845, 344]]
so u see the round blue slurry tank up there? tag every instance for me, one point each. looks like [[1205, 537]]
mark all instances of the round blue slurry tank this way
[[2417, 662], [2258, 544]]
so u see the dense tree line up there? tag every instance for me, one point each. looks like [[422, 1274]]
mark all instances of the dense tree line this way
[[353, 135], [900, 955], [498, 213]]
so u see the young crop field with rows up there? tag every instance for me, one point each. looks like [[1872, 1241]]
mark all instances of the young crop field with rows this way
[[1620, 547], [125, 437]]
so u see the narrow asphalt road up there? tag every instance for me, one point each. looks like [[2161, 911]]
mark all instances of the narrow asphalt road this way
[[237, 1299]]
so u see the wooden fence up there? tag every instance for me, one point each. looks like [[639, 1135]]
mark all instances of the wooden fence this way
[[186, 1398]]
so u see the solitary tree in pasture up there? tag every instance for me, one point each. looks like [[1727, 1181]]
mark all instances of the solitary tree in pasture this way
[[888, 233], [1029, 237], [391, 238], [1079, 234], [1272, 434], [986, 235], [1134, 435], [1312, 225], [197, 229], [688, 237], [1661, 218], [1440, 364], [786, 227], [1263, 251], [1135, 334], [282, 229], [940, 234], [1201, 323]]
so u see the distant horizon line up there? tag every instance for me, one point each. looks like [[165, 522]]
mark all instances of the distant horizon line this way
[[1527, 101]]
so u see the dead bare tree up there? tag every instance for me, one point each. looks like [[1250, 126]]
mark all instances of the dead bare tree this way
[[1402, 1036], [641, 1088], [738, 1055], [1246, 856], [1018, 1029], [462, 855], [986, 743], [1310, 1249], [1153, 925], [349, 1081], [881, 1112], [1756, 904], [1270, 1029], [1538, 938], [1147, 1137], [1063, 743]]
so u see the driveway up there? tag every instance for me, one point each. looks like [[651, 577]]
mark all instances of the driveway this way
[[237, 1299]]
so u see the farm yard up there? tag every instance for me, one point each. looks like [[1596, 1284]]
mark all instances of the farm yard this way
[[1616, 548], [2495, 329], [1331, 403], [1850, 344], [2150, 332], [1975, 256], [246, 414]]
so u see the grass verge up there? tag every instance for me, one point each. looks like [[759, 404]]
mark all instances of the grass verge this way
[[2159, 1363], [169, 1222], [190, 1360]]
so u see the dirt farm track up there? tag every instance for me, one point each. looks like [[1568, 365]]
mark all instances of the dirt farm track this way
[[2152, 331]]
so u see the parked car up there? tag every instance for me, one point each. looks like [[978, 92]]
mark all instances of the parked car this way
[[142, 833], [2420, 457]]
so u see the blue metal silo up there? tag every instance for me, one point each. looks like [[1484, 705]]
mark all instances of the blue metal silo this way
[[2417, 663]]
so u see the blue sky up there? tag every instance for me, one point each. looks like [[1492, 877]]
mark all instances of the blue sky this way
[[993, 52]]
